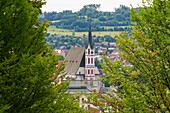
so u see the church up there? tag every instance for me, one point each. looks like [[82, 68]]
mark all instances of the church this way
[[80, 67]]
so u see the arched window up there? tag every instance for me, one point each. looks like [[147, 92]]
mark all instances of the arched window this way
[[88, 60], [88, 71], [92, 71], [88, 51]]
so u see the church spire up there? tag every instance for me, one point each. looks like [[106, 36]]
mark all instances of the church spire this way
[[89, 40]]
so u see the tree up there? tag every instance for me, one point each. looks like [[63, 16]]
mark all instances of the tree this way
[[27, 64], [102, 18], [145, 86], [102, 45], [98, 63]]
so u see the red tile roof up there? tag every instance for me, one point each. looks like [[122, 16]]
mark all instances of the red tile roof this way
[[58, 67]]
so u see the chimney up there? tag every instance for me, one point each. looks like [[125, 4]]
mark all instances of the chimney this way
[[85, 81], [91, 81]]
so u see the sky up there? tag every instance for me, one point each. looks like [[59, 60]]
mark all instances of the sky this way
[[76, 5]]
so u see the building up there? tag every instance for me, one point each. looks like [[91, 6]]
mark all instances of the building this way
[[80, 67], [60, 52], [112, 44], [105, 43], [81, 70], [97, 44]]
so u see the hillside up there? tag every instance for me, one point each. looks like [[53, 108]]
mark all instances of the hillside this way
[[101, 21]]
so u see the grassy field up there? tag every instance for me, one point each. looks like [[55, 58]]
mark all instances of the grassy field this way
[[55, 21], [54, 30], [107, 27], [83, 16]]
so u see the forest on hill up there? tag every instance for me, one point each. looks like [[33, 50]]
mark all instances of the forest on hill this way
[[101, 21]]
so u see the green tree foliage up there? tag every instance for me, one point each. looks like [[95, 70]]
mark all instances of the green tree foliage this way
[[145, 86], [98, 63], [27, 64]]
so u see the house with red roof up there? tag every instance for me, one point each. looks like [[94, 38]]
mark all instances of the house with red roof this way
[[112, 44], [105, 43], [60, 52], [97, 44], [58, 67]]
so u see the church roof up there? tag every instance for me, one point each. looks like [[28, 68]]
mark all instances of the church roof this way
[[80, 83], [74, 58], [79, 89]]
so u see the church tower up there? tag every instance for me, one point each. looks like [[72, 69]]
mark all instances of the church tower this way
[[90, 57]]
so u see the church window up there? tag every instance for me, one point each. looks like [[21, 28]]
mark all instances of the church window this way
[[92, 71], [88, 60], [88, 107], [91, 60], [88, 51], [91, 52], [88, 71]]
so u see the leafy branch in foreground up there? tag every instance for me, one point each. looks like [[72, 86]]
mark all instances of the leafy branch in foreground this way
[[27, 64]]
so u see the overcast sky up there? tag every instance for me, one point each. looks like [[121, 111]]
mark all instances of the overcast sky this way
[[75, 5]]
